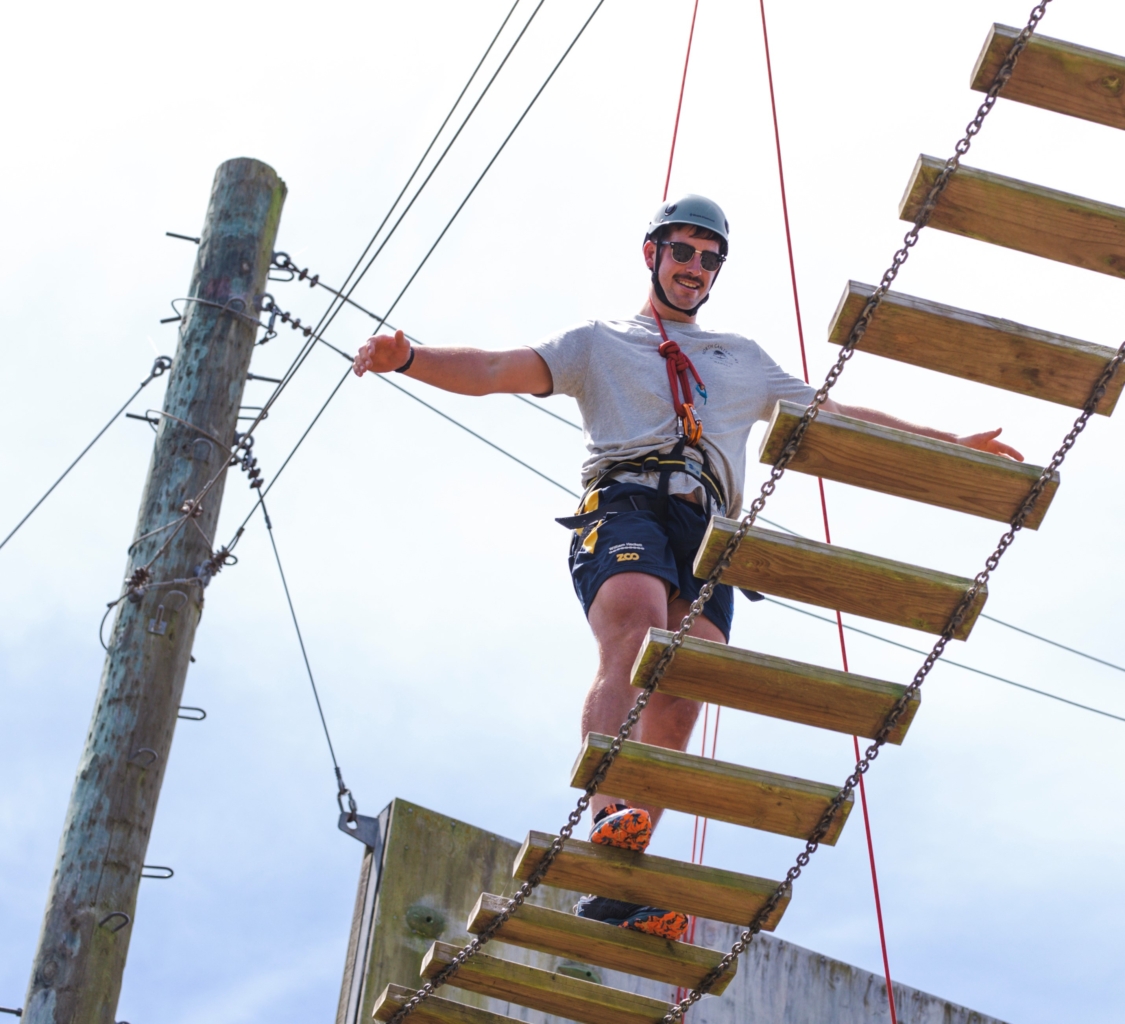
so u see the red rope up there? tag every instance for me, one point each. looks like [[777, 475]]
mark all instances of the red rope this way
[[824, 510], [680, 992], [680, 102]]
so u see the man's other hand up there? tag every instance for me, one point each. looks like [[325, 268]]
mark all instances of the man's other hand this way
[[986, 442], [381, 354]]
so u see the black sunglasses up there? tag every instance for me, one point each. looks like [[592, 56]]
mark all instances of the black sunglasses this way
[[682, 252]]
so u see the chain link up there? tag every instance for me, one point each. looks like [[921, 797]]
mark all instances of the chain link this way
[[676, 1013]]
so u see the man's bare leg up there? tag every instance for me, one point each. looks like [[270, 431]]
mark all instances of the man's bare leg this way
[[626, 607]]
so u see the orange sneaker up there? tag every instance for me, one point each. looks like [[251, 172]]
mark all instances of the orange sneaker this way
[[627, 828], [667, 924]]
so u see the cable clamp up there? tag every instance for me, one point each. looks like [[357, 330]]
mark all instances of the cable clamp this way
[[137, 584]]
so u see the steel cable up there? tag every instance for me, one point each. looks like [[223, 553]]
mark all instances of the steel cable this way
[[314, 335], [315, 280], [507, 138], [539, 407], [824, 508], [159, 368], [946, 661], [333, 309], [343, 790], [782, 604]]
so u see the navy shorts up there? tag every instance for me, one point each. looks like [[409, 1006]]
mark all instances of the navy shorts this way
[[637, 541]]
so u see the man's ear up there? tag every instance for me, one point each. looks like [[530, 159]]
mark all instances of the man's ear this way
[[650, 253]]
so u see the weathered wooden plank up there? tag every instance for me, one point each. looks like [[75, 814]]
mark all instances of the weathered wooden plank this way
[[578, 1000], [878, 458], [839, 578], [653, 881], [977, 347], [1056, 75], [659, 777], [604, 945], [704, 670], [433, 1010], [1018, 215]]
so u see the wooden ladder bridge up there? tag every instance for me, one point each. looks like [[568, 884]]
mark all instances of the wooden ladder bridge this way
[[1051, 74]]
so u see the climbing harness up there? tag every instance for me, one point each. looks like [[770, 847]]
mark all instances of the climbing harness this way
[[679, 365], [590, 511]]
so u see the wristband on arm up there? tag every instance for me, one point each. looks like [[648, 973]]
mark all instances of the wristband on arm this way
[[409, 359]]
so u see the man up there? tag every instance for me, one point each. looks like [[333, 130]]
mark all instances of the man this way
[[660, 465]]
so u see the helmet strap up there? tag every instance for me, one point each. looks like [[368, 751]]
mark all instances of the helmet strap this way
[[662, 295]]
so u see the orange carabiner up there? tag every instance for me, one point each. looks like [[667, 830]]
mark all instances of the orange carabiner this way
[[692, 428]]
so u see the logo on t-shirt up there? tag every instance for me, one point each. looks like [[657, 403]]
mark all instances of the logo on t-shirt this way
[[720, 354]]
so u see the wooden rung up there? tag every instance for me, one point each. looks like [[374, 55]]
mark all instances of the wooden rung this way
[[1019, 215], [1057, 76], [838, 578], [652, 881], [878, 458], [659, 777], [573, 998], [604, 945], [983, 348], [433, 1009], [707, 671]]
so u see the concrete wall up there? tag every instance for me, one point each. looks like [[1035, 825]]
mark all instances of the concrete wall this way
[[432, 869]]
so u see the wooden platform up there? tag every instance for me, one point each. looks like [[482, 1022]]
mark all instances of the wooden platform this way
[[653, 881], [659, 777], [704, 670], [603, 945], [839, 578], [1018, 215], [977, 347], [434, 1010], [573, 998], [891, 461], [1056, 76]]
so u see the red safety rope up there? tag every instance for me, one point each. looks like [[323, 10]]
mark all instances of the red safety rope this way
[[690, 937], [680, 102], [679, 365], [824, 509]]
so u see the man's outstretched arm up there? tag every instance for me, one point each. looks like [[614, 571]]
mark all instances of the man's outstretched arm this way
[[466, 371], [986, 441]]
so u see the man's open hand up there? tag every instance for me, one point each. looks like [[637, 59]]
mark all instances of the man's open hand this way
[[986, 442], [381, 354]]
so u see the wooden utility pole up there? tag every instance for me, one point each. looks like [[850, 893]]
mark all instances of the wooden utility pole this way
[[76, 977]]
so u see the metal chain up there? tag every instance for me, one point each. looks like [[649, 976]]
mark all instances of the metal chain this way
[[900, 706], [723, 563], [676, 1013]]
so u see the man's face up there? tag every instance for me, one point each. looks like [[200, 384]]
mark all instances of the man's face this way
[[685, 284]]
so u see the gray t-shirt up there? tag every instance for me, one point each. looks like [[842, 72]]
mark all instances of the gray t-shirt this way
[[613, 369]]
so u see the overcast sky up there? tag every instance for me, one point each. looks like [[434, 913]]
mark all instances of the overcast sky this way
[[428, 573]]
